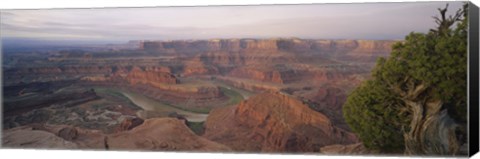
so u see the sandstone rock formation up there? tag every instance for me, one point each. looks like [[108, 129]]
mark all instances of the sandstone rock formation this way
[[26, 137], [193, 75], [165, 134], [68, 133], [331, 98], [152, 76], [53, 136], [129, 124], [273, 122], [256, 74]]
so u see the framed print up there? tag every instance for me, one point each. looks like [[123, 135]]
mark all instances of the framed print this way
[[388, 79]]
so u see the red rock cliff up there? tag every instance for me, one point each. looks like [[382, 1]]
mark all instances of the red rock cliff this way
[[150, 76], [273, 122]]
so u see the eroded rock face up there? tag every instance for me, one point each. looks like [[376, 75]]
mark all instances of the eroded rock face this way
[[53, 137], [130, 123], [255, 74], [26, 137], [150, 76], [329, 100], [68, 133], [273, 122], [156, 134], [196, 66], [165, 134], [330, 97]]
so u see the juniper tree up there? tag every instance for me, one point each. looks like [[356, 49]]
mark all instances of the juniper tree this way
[[418, 94]]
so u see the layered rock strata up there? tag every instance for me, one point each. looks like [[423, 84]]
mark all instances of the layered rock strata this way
[[273, 122], [343, 49]]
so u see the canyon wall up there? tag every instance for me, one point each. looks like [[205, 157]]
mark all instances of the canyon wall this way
[[360, 47], [151, 75], [186, 46]]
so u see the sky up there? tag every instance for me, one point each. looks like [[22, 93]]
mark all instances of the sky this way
[[319, 21]]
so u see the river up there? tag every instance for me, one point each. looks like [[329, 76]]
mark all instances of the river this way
[[153, 105]]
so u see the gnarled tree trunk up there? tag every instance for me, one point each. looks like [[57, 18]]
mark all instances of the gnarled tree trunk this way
[[432, 131]]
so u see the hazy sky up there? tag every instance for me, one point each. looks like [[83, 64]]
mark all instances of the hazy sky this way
[[321, 21]]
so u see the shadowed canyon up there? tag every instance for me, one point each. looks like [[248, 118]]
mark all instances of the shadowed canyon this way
[[217, 95]]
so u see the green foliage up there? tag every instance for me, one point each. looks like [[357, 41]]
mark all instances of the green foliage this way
[[437, 60], [373, 112]]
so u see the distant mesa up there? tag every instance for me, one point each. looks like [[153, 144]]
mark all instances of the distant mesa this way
[[376, 47]]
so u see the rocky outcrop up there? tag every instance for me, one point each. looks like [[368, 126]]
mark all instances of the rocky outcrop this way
[[27, 137], [68, 133], [162, 134], [52, 136], [129, 124], [273, 122]]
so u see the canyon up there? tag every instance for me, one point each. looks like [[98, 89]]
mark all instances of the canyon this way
[[214, 95]]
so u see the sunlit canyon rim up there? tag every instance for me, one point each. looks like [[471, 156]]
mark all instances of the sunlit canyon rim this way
[[242, 95]]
